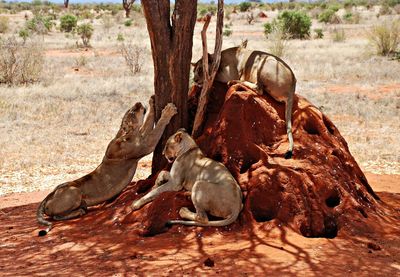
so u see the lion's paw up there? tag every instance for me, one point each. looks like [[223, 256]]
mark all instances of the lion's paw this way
[[169, 110]]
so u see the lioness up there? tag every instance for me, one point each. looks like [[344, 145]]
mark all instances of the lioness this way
[[213, 188], [261, 72], [133, 141]]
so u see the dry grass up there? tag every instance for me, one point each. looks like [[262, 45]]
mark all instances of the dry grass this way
[[58, 129]]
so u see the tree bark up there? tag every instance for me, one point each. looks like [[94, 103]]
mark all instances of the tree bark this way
[[127, 5], [171, 44]]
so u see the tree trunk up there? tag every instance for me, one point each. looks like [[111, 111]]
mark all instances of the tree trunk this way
[[127, 13], [171, 44], [66, 2]]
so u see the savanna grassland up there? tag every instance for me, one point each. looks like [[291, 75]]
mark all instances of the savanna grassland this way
[[56, 128]]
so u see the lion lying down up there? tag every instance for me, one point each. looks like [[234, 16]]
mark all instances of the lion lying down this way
[[213, 188], [134, 140]]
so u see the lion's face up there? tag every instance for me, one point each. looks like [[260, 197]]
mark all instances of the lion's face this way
[[133, 119], [173, 146]]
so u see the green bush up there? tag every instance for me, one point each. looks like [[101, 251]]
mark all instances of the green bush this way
[[227, 32], [128, 23], [326, 16], [4, 22], [296, 24], [120, 37], [68, 22], [244, 6], [85, 31], [319, 33], [268, 28], [24, 34], [39, 24]]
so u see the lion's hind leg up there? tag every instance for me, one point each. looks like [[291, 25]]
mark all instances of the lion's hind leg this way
[[66, 203], [199, 216], [74, 214]]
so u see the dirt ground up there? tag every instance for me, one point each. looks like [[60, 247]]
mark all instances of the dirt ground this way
[[82, 249]]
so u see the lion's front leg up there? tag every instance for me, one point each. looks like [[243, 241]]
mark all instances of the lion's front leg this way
[[149, 121], [169, 186]]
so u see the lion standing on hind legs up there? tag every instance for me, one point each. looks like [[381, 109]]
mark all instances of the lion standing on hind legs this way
[[136, 138], [260, 72]]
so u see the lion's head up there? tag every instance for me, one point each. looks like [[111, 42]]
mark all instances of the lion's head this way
[[133, 118], [177, 144]]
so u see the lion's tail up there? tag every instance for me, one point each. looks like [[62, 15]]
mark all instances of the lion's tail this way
[[40, 218], [216, 223], [40, 212]]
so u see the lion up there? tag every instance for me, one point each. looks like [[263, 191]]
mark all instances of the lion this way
[[136, 138], [211, 186], [259, 71]]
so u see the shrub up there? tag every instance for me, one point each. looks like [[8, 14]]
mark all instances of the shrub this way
[[80, 61], [39, 24], [384, 10], [278, 41], [326, 16], [24, 34], [244, 6], [338, 35], [352, 17], [128, 23], [107, 22], [318, 33], [227, 31], [68, 22], [397, 8], [132, 56], [20, 63], [4, 22], [85, 30], [296, 24], [268, 28], [385, 38], [120, 37]]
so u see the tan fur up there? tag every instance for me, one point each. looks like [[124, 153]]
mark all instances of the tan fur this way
[[261, 72], [134, 140], [213, 188]]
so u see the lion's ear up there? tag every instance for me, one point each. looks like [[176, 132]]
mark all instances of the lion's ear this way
[[178, 137]]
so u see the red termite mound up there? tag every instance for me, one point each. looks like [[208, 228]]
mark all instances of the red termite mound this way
[[316, 193]]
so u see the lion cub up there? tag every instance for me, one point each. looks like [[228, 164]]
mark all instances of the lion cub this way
[[213, 188]]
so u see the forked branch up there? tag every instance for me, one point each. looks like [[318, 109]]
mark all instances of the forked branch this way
[[209, 75]]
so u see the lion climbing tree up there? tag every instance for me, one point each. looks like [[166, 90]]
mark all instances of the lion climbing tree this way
[[171, 37]]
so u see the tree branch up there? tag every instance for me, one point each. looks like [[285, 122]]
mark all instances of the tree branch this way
[[209, 76]]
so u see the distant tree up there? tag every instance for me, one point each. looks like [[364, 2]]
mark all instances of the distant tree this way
[[127, 4]]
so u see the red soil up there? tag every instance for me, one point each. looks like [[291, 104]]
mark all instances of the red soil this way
[[321, 192]]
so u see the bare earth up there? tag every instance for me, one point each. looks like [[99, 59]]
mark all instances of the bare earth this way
[[260, 250]]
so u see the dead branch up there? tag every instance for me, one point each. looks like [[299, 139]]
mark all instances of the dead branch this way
[[209, 76]]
